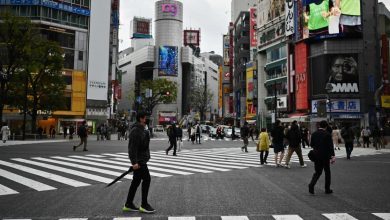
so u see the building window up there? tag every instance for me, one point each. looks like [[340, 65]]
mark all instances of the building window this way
[[81, 55]]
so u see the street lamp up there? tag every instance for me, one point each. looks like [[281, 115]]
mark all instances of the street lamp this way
[[329, 89]]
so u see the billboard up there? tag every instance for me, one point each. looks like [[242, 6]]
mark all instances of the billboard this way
[[168, 61], [140, 28], [301, 76], [269, 10], [338, 106], [253, 26], [289, 17], [331, 18], [340, 70], [226, 46], [250, 87], [192, 37]]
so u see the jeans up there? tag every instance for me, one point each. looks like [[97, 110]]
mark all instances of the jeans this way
[[141, 174], [349, 149], [245, 147], [319, 166], [298, 150]]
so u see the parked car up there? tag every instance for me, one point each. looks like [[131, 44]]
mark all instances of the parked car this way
[[158, 128], [204, 128], [228, 132], [213, 132]]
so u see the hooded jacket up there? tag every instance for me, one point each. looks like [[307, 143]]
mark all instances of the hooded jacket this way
[[139, 144]]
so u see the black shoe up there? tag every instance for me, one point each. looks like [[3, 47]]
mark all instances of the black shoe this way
[[85, 150], [328, 191], [130, 208], [174, 155], [166, 152], [311, 189], [146, 209], [74, 148]]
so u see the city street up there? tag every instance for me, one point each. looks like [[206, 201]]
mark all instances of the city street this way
[[213, 180]]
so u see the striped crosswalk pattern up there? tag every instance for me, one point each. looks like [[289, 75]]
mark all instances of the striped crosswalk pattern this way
[[331, 216], [78, 171]]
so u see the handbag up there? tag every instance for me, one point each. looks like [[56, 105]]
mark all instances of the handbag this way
[[312, 155]]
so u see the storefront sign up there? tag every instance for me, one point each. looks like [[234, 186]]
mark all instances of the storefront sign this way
[[169, 8], [289, 17], [338, 105], [385, 99], [253, 27]]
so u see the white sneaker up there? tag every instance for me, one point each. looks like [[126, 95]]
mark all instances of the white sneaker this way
[[304, 165], [287, 166]]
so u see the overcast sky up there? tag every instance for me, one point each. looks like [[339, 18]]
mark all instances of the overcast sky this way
[[211, 16]]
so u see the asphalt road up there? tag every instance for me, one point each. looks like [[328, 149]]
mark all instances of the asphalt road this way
[[240, 188]]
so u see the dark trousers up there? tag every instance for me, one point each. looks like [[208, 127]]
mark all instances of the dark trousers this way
[[263, 157], [305, 142], [366, 140], [197, 136], [173, 144], [349, 149], [319, 166], [141, 174]]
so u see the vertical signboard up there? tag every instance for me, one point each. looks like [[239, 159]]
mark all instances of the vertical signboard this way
[[192, 37], [253, 26], [289, 17], [250, 109], [226, 46], [220, 91], [301, 76], [99, 43], [385, 64]]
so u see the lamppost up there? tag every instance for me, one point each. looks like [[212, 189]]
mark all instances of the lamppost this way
[[329, 89]]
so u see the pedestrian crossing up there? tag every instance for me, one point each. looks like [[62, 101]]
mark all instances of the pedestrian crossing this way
[[51, 173], [330, 216]]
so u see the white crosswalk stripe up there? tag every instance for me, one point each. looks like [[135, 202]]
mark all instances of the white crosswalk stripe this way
[[332, 216], [339, 216], [105, 167]]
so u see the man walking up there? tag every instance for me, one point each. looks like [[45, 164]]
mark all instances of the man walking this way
[[172, 135], [82, 132], [366, 137], [197, 133], [277, 142], [294, 139], [348, 135], [321, 142], [139, 155], [245, 135]]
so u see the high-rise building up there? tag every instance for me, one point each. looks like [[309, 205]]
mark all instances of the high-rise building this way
[[83, 28]]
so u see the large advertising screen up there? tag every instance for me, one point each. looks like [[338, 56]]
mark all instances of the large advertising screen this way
[[331, 18], [168, 61], [339, 70]]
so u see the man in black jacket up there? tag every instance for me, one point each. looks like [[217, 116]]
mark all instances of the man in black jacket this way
[[172, 135], [277, 142], [321, 142], [139, 155], [294, 139]]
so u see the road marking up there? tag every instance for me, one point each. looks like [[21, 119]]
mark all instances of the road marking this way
[[181, 218], [205, 165], [287, 217], [128, 218], [234, 218], [44, 174], [73, 219], [73, 165], [6, 191], [25, 181], [94, 155], [65, 170], [339, 216], [384, 216]]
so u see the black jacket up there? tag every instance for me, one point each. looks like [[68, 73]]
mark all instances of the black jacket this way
[[277, 134], [139, 144], [321, 142], [294, 136]]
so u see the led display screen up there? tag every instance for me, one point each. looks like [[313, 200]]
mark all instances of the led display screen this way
[[168, 61]]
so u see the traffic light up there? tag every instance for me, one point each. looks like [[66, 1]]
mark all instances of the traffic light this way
[[167, 93]]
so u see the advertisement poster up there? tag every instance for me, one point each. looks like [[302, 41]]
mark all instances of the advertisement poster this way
[[226, 46], [168, 61], [269, 10], [340, 70], [331, 18], [253, 26], [191, 37], [289, 17]]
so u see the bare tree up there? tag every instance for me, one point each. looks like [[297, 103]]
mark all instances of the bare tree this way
[[200, 99]]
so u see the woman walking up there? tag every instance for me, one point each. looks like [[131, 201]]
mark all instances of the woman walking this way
[[336, 137], [4, 132], [263, 146]]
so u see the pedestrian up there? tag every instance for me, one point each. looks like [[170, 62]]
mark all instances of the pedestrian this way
[[251, 132], [98, 131], [294, 139], [277, 134], [348, 135], [321, 142], [263, 146], [4, 132], [376, 136], [71, 132], [65, 128], [336, 137], [139, 154], [179, 133], [52, 132], [40, 132], [357, 131], [244, 132], [172, 135], [82, 132], [189, 131], [305, 136], [233, 133], [193, 134], [197, 133], [366, 133]]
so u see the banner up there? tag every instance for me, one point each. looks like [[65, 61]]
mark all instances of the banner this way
[[289, 17], [253, 26], [226, 46]]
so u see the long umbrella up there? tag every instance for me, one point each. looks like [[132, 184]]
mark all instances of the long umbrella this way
[[121, 176]]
